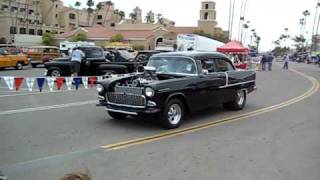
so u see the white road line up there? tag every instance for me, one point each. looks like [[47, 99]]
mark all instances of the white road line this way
[[58, 106]]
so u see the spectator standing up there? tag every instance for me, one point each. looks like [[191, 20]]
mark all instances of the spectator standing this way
[[286, 62], [263, 62], [270, 61], [76, 58]]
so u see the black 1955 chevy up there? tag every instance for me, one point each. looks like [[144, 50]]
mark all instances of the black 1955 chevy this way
[[173, 84]]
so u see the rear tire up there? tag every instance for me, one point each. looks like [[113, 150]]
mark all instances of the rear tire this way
[[117, 116], [238, 103], [34, 65], [173, 114], [19, 66]]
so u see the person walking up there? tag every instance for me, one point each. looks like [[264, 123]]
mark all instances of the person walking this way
[[270, 61], [76, 57], [263, 62], [286, 62]]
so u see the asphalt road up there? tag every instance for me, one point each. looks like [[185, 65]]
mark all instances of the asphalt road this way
[[45, 135]]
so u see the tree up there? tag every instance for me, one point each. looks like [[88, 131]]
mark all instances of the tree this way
[[133, 17], [90, 4], [48, 38], [122, 14], [159, 18], [150, 17], [117, 38], [109, 4], [305, 13], [80, 37]]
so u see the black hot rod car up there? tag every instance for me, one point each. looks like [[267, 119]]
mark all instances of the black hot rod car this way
[[173, 84]]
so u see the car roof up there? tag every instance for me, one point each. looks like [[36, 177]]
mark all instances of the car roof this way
[[193, 54], [149, 51]]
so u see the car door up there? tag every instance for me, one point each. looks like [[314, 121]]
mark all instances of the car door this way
[[4, 58], [226, 92], [215, 80], [208, 83]]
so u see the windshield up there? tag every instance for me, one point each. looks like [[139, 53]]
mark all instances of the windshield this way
[[126, 54], [93, 53], [173, 65]]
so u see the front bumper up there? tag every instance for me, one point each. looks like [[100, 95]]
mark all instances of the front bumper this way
[[128, 110]]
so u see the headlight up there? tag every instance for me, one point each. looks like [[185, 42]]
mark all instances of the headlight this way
[[149, 92], [100, 88]]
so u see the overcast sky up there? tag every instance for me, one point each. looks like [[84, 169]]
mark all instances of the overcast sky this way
[[268, 17]]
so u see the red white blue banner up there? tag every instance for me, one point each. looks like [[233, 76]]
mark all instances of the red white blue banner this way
[[51, 83]]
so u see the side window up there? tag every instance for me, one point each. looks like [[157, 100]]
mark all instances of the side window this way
[[207, 64], [223, 65]]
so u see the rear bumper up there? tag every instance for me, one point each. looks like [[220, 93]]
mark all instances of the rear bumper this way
[[128, 110]]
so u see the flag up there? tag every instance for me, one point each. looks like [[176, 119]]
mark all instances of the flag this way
[[92, 81], [77, 82], [69, 82], [40, 82], [85, 82], [18, 81], [30, 83], [9, 81], [50, 81], [60, 82]]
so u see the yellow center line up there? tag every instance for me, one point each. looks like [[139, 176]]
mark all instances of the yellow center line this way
[[315, 87]]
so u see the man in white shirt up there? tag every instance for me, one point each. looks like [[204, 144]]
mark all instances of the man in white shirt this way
[[76, 57]]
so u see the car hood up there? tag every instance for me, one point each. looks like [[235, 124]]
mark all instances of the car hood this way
[[62, 59]]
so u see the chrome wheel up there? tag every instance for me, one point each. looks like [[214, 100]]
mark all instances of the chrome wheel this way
[[19, 66], [240, 97], [55, 73], [174, 114]]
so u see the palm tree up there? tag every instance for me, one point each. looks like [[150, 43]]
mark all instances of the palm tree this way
[[315, 17], [305, 13], [77, 4], [150, 17], [122, 14], [159, 18], [109, 4], [90, 4], [133, 17]]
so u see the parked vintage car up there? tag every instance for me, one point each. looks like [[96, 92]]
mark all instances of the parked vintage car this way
[[144, 56], [42, 54], [12, 58], [173, 84], [94, 57], [123, 62]]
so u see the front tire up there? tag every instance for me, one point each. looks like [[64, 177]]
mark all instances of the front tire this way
[[19, 66], [117, 116], [173, 114], [239, 102], [55, 73]]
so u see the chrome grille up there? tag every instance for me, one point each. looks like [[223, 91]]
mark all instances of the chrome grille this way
[[129, 100], [129, 90]]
